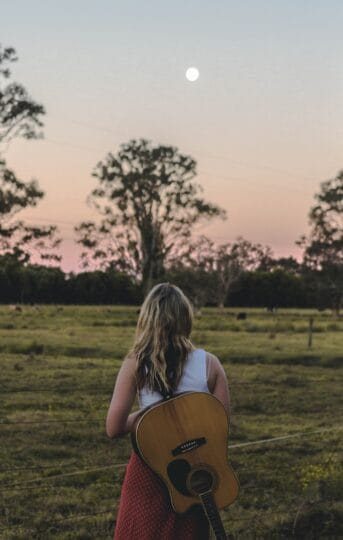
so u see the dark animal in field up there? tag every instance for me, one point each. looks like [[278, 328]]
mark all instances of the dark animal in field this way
[[18, 367], [241, 316]]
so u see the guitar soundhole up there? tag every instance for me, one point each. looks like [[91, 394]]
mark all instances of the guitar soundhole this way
[[201, 480]]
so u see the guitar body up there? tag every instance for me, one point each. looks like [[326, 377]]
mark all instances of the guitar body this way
[[184, 439]]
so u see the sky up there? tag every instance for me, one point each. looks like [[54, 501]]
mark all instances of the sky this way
[[264, 121]]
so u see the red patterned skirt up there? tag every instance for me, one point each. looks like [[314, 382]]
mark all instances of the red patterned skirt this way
[[145, 511]]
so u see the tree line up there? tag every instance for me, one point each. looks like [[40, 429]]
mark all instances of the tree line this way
[[148, 203], [39, 284]]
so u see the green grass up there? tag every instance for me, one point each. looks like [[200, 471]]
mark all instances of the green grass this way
[[58, 367]]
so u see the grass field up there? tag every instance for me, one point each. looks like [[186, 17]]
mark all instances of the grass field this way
[[60, 474]]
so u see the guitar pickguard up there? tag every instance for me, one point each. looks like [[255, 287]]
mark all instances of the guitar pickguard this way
[[178, 471]]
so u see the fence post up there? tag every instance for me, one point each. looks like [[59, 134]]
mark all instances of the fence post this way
[[310, 332]]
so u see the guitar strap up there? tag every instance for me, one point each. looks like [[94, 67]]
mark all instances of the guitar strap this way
[[165, 394]]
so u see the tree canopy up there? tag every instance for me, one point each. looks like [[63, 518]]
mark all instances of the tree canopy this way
[[20, 116], [148, 202], [216, 268], [323, 248]]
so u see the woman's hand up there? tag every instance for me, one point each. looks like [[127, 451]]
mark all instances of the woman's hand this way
[[131, 421]]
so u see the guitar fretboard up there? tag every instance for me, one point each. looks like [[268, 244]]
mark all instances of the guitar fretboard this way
[[213, 515]]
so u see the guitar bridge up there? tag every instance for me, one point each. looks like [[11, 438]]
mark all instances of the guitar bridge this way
[[187, 446]]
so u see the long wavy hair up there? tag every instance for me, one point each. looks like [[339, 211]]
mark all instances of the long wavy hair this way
[[162, 340]]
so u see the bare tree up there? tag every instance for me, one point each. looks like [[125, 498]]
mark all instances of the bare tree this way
[[223, 262]]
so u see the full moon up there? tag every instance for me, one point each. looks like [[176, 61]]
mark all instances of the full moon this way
[[192, 74]]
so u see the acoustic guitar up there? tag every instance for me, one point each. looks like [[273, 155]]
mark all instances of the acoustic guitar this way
[[184, 439]]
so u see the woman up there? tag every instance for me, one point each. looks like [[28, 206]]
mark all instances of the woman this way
[[162, 360]]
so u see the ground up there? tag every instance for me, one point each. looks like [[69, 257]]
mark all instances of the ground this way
[[60, 474]]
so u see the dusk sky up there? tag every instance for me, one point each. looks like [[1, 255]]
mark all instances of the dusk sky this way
[[264, 121]]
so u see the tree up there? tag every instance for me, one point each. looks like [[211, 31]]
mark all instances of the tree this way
[[20, 116], [323, 248], [149, 203], [278, 288], [289, 264], [192, 269], [219, 266], [17, 238]]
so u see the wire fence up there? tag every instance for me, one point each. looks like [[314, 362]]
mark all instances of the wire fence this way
[[87, 466], [87, 470], [42, 421], [261, 517], [243, 487], [293, 381], [258, 517], [44, 483]]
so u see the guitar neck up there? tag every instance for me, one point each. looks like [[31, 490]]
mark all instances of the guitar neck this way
[[213, 515]]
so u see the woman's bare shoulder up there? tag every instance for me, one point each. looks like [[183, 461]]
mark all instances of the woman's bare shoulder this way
[[129, 362], [212, 369], [213, 360]]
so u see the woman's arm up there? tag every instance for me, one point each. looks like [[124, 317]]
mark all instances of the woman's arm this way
[[119, 421], [218, 381]]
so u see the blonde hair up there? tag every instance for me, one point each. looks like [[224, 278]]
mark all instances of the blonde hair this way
[[162, 340]]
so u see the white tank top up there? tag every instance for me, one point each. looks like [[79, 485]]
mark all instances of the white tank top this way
[[194, 378]]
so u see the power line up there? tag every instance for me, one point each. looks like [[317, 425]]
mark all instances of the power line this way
[[49, 220], [72, 145], [212, 175], [253, 183], [195, 150]]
